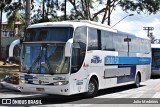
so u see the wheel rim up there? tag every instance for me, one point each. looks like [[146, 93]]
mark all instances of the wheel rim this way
[[91, 88]]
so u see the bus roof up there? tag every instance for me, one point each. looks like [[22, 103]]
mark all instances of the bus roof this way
[[77, 23], [74, 24], [155, 45], [125, 33]]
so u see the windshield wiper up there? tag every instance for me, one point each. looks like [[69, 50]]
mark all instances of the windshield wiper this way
[[33, 64], [37, 59]]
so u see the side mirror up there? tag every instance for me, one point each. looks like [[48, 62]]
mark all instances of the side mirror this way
[[76, 45], [68, 48], [21, 40], [11, 47]]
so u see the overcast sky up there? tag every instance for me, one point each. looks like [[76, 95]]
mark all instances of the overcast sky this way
[[133, 24]]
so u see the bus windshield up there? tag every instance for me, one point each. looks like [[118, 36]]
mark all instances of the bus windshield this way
[[155, 58], [44, 58]]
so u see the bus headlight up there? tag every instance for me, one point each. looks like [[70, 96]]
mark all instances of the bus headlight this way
[[61, 83], [21, 81]]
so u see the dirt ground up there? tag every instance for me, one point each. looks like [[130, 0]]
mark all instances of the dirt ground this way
[[8, 69], [7, 64]]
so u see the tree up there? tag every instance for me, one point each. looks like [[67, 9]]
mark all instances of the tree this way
[[87, 9], [3, 3], [13, 13], [45, 10], [152, 38], [56, 19], [146, 6]]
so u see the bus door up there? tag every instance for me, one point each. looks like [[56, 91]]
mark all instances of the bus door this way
[[78, 71]]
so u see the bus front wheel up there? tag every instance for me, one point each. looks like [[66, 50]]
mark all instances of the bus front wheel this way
[[92, 88], [137, 80]]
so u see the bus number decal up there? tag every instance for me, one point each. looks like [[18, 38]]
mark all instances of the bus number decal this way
[[112, 60], [127, 60]]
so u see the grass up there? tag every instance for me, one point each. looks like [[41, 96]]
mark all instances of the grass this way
[[9, 70]]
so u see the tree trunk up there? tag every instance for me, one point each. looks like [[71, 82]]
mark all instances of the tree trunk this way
[[28, 12]]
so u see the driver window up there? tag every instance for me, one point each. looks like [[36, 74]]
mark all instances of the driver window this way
[[75, 60]]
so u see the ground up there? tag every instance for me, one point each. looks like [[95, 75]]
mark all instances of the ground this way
[[8, 69]]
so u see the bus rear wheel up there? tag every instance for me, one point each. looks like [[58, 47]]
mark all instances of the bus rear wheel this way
[[137, 80], [92, 88]]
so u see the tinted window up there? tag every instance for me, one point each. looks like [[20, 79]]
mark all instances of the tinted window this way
[[76, 63], [106, 40], [92, 39], [79, 51], [119, 42], [145, 46], [156, 57], [139, 45], [49, 34], [134, 45], [80, 35]]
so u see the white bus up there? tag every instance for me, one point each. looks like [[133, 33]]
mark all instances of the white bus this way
[[155, 70], [73, 57]]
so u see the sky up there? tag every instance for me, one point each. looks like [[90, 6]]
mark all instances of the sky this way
[[132, 24]]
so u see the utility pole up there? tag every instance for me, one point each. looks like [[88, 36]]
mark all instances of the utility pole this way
[[127, 40], [148, 29], [0, 32], [65, 12], [109, 12], [43, 11]]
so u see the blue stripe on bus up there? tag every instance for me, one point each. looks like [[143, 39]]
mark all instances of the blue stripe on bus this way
[[127, 60], [127, 78]]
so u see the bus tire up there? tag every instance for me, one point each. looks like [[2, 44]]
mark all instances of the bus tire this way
[[137, 80], [92, 88]]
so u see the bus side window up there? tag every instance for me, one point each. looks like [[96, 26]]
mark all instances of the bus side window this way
[[93, 39]]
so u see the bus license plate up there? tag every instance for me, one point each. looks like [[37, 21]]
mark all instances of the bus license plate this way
[[40, 89]]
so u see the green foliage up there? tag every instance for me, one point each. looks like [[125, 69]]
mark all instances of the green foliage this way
[[87, 10], [4, 3], [149, 6], [56, 19], [45, 10], [81, 9], [13, 13]]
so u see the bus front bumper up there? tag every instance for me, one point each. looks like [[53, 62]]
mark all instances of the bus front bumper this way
[[47, 89]]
